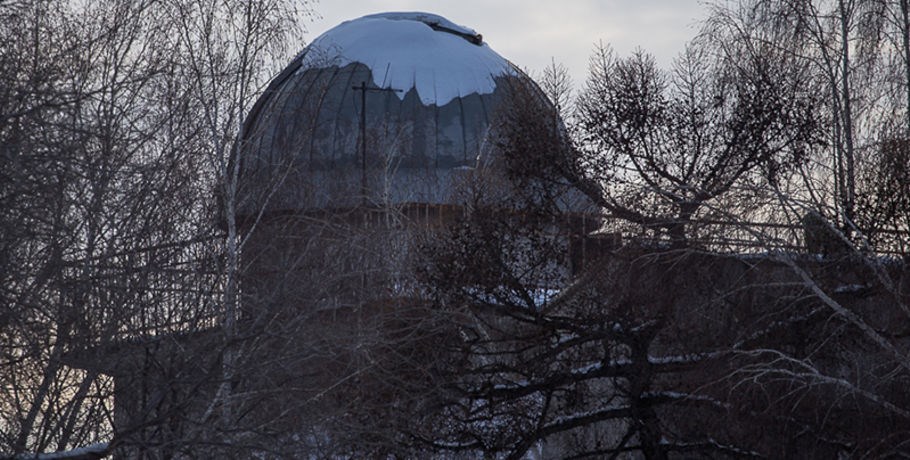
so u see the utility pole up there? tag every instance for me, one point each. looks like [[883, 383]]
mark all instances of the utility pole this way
[[363, 134]]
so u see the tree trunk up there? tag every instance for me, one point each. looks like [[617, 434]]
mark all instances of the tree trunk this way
[[905, 40], [847, 113]]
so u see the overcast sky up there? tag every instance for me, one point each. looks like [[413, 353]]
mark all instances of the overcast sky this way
[[531, 32]]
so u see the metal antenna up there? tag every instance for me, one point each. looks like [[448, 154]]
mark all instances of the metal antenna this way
[[363, 133]]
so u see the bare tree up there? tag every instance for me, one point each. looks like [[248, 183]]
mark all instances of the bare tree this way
[[672, 351], [661, 146], [856, 52], [110, 243], [626, 357]]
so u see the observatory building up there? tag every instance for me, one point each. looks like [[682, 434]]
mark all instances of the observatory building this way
[[367, 145]]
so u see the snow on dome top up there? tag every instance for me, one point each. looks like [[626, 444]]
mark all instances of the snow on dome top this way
[[435, 21], [437, 57]]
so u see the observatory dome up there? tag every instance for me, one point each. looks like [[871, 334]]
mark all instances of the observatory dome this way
[[385, 109]]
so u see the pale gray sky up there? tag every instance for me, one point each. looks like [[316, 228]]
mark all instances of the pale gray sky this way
[[531, 32]]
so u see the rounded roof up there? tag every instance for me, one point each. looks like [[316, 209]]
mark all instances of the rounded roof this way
[[387, 108]]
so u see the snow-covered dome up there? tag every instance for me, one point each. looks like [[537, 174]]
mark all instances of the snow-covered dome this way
[[430, 88]]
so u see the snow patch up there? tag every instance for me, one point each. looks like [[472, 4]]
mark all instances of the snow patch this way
[[81, 453], [438, 58], [851, 288]]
